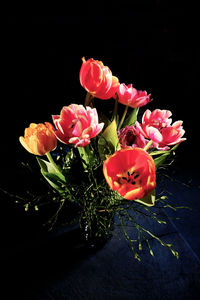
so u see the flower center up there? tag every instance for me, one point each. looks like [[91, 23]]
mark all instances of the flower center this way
[[130, 176], [130, 138], [159, 124]]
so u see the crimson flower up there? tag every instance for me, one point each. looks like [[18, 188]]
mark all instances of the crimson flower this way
[[97, 79], [130, 136], [131, 172], [128, 95], [77, 125]]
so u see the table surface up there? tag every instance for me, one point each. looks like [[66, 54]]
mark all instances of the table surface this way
[[50, 267]]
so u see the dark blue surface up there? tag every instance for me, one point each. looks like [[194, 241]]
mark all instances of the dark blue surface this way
[[52, 268]]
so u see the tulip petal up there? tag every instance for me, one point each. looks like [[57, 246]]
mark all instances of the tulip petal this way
[[111, 92], [25, 145], [154, 134], [97, 79], [77, 125], [146, 116], [177, 124], [39, 138], [130, 172]]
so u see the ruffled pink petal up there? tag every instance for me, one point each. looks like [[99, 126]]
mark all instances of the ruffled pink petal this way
[[146, 116], [61, 137], [56, 118], [79, 142], [154, 134], [177, 141], [77, 129], [140, 129], [92, 116], [99, 128], [77, 123], [140, 99], [177, 124]]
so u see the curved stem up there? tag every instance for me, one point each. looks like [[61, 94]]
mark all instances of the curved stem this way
[[50, 158], [115, 108], [148, 145], [88, 100], [123, 117]]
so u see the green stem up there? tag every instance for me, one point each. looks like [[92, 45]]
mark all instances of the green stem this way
[[88, 99], [50, 158], [84, 153], [123, 117], [115, 109], [148, 145]]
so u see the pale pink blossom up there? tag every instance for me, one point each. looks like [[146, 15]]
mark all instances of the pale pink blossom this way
[[129, 136], [77, 125], [128, 95], [156, 126]]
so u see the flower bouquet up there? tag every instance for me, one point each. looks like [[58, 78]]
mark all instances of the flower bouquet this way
[[105, 164]]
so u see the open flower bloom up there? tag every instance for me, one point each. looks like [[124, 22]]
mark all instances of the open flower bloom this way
[[77, 125], [130, 136], [97, 79], [128, 95], [156, 125], [39, 138], [131, 172]]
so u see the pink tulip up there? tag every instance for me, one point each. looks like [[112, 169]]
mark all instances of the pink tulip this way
[[173, 134], [128, 95], [129, 136], [77, 125], [156, 125]]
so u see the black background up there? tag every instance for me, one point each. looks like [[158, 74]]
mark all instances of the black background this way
[[152, 44]]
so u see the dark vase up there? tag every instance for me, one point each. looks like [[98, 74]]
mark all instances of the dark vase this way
[[97, 230]]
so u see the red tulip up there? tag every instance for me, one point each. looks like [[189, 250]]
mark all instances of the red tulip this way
[[97, 79], [131, 172], [39, 139]]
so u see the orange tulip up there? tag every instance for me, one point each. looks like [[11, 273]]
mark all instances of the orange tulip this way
[[39, 139], [131, 172], [97, 79]]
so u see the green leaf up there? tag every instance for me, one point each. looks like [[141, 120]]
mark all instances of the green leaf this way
[[45, 165], [157, 152], [148, 200], [48, 168], [174, 148], [87, 155], [108, 142], [160, 160], [132, 118], [55, 179]]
